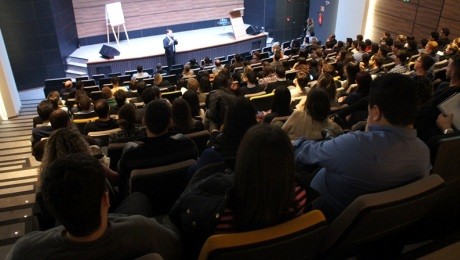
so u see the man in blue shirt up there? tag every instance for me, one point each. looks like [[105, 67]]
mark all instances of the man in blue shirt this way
[[387, 155]]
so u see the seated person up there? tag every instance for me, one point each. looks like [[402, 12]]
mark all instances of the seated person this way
[[187, 72], [218, 101], [182, 120], [116, 85], [309, 122], [107, 94], [129, 131], [359, 163], [281, 105], [68, 91], [44, 129], [161, 147], [193, 101], [252, 86], [120, 98], [74, 190], [104, 122], [84, 109], [140, 73], [238, 202]]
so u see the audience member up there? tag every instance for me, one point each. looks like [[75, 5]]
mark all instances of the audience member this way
[[392, 108], [309, 122], [281, 105], [74, 191], [120, 98], [140, 73], [84, 108], [218, 101], [107, 94], [44, 109], [187, 72], [192, 99], [129, 131], [182, 120], [252, 85], [104, 122], [281, 80], [261, 193]]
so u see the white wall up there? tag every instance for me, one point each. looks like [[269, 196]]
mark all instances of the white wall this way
[[350, 19], [10, 103]]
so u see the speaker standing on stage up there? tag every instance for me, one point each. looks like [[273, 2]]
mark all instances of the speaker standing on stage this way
[[169, 43]]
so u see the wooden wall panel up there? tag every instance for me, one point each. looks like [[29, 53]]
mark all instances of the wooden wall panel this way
[[417, 18], [427, 17], [90, 14]]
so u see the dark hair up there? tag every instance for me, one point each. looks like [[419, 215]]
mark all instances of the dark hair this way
[[139, 68], [384, 50], [318, 105], [205, 84], [412, 45], [359, 37], [435, 35], [401, 55], [84, 102], [282, 101], [59, 119], [148, 94], [157, 116], [263, 194], [280, 72], [364, 80], [44, 109], [251, 76], [240, 116], [181, 116], [352, 69], [115, 80], [192, 99], [446, 31], [54, 98], [303, 79], [221, 81], [120, 97], [427, 61], [101, 107], [327, 83], [127, 116], [396, 97], [73, 187]]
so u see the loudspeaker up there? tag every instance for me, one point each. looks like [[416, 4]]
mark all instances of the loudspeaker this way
[[108, 52], [253, 30]]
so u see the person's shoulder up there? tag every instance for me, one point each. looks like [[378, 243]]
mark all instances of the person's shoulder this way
[[36, 244]]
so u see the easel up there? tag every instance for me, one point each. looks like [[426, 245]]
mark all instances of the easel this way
[[114, 17], [239, 29]]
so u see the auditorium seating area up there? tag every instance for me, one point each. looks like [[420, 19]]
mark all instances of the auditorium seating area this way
[[408, 222]]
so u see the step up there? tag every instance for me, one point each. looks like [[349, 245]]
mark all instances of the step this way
[[76, 60], [77, 64], [77, 69], [75, 72]]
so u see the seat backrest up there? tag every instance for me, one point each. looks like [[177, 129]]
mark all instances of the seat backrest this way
[[171, 95], [88, 82], [263, 102], [200, 138], [80, 123], [379, 215], [447, 162], [103, 135], [298, 238], [163, 184]]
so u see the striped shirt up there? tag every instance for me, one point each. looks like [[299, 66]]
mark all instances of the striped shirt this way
[[225, 222]]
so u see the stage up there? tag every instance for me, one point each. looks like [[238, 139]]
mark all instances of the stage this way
[[148, 51]]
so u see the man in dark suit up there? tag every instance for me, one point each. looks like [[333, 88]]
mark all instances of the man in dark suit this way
[[169, 43]]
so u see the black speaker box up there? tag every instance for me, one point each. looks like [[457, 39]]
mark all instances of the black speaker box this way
[[108, 52], [253, 30]]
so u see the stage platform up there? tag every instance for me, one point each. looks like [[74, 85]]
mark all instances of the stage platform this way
[[148, 51]]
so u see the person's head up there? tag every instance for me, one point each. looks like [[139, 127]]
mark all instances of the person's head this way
[[453, 68], [106, 92], [359, 37], [366, 58], [451, 49], [101, 107], [303, 79], [115, 81], [277, 56], [221, 81], [263, 194], [68, 84], [238, 58], [240, 116], [54, 98], [376, 60], [401, 56], [280, 72], [392, 100], [351, 70], [181, 116], [193, 84], [327, 83], [205, 84], [73, 189], [133, 85], [310, 21], [412, 45], [363, 80], [59, 119], [157, 117], [149, 94], [217, 62], [127, 116], [251, 76], [169, 32], [424, 62], [159, 67], [186, 69], [401, 38], [84, 102], [318, 104], [434, 36], [445, 32], [64, 141], [384, 50], [431, 46], [282, 101], [207, 60], [140, 68], [44, 109], [120, 97], [157, 79], [398, 46], [375, 47], [192, 99], [192, 62]]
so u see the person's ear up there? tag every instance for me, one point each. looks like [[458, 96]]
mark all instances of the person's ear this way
[[375, 114]]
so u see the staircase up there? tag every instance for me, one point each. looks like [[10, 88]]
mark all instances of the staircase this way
[[18, 173], [76, 67]]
